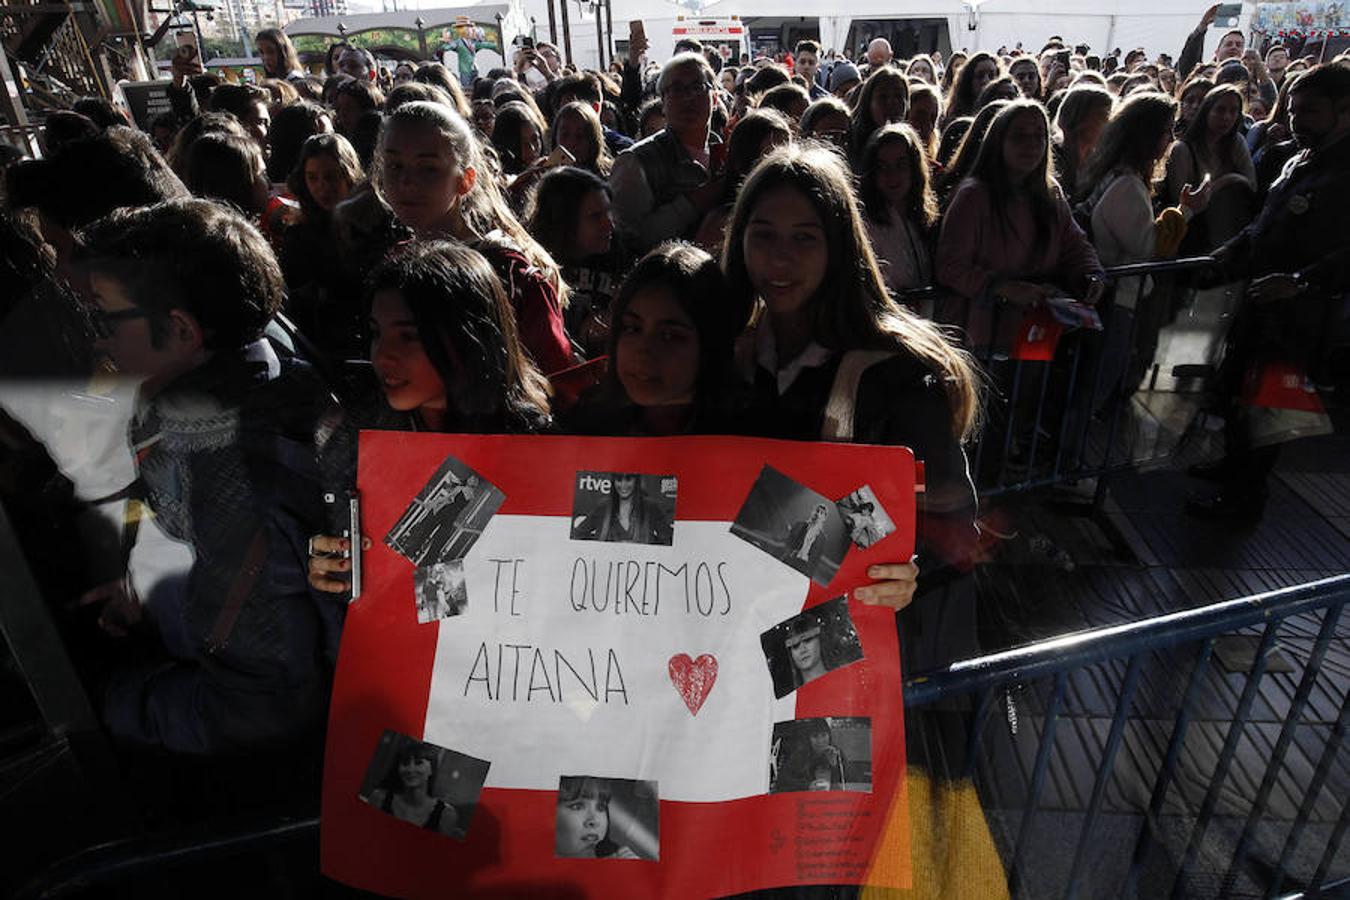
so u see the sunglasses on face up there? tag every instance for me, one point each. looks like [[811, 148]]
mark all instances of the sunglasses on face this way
[[105, 323]]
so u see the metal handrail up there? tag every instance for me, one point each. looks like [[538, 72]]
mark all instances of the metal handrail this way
[[1127, 270], [1098, 645], [1160, 266]]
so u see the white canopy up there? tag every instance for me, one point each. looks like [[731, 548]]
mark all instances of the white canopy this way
[[1159, 26]]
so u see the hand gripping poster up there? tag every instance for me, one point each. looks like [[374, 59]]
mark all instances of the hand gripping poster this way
[[619, 667]]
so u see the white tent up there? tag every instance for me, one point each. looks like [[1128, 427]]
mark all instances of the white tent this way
[[1159, 26]]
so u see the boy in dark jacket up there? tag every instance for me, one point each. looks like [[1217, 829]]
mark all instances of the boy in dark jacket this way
[[222, 436]]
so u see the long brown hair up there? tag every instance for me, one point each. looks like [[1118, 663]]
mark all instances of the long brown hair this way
[[1131, 139], [962, 161], [861, 126], [290, 60], [921, 206], [852, 309], [600, 161], [466, 325], [991, 170], [961, 98], [1195, 135]]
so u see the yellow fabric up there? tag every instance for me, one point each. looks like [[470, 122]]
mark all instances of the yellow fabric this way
[[951, 853], [1171, 228]]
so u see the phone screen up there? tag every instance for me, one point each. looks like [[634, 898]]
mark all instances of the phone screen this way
[[186, 39]]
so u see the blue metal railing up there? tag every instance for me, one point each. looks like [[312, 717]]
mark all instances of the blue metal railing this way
[[1060, 658]]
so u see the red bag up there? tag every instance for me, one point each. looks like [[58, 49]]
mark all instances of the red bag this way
[[1037, 336], [1280, 385]]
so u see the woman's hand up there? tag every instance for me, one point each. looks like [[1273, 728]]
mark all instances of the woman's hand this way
[[893, 586], [1195, 199], [330, 555], [637, 47], [624, 853]]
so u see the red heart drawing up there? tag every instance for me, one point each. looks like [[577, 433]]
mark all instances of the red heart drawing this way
[[693, 678]]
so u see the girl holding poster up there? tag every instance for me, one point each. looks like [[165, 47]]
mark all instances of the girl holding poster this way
[[671, 372], [447, 358], [832, 337], [670, 349]]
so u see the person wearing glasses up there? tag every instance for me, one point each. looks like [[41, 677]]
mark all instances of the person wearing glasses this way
[[664, 184], [234, 656]]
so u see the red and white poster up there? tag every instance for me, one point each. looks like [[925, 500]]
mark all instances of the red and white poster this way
[[591, 667]]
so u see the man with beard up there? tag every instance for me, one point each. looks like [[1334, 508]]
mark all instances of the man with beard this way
[[1297, 257]]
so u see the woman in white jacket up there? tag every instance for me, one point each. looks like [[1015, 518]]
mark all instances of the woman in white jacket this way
[[1123, 172]]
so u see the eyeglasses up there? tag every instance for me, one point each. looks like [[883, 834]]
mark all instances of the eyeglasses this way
[[105, 323], [683, 89]]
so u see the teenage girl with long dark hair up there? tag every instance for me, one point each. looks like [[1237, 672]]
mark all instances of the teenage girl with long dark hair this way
[[445, 357], [830, 337]]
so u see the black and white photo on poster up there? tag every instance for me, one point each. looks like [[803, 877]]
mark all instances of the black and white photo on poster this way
[[440, 590], [624, 507], [424, 785], [865, 519], [794, 524], [810, 644], [607, 818], [447, 516], [832, 753]]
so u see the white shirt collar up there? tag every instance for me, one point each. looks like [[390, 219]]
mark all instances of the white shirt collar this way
[[766, 356]]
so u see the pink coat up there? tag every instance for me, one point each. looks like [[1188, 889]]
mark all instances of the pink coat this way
[[976, 251]]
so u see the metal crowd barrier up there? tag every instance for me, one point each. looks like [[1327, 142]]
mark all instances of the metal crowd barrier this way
[[1137, 645], [986, 680], [1051, 421]]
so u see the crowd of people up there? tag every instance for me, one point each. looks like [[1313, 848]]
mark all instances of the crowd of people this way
[[668, 247]]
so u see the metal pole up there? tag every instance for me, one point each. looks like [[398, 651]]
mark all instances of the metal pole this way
[[567, 32], [609, 28], [553, 24], [599, 38]]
